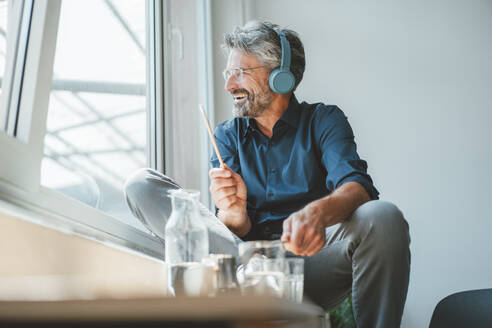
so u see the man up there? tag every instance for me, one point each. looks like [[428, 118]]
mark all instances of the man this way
[[292, 172]]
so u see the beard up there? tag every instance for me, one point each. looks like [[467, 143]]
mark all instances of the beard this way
[[254, 105]]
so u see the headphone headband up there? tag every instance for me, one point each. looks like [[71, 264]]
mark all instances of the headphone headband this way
[[285, 45]]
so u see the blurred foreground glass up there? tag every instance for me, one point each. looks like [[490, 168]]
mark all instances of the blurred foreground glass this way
[[294, 279], [262, 268], [96, 129], [224, 268]]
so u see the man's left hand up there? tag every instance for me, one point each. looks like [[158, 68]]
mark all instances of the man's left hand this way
[[304, 231]]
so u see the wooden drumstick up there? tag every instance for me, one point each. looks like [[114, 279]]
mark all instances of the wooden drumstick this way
[[211, 134]]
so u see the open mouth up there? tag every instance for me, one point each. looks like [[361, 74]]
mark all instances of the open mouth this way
[[240, 97]]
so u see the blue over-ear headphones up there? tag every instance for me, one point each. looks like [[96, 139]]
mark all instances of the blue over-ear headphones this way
[[281, 79]]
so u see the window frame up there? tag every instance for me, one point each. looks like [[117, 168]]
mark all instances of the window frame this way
[[19, 13], [22, 165], [20, 171], [188, 23], [155, 78]]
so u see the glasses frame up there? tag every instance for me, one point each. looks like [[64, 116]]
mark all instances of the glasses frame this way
[[237, 72]]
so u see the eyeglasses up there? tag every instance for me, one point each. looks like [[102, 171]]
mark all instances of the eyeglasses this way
[[237, 72]]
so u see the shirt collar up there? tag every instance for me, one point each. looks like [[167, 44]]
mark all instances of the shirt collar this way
[[290, 116]]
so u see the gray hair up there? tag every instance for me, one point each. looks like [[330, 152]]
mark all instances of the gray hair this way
[[260, 40]]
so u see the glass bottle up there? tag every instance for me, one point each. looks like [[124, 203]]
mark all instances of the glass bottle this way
[[186, 244]]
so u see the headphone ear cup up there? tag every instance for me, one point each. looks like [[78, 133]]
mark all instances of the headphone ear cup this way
[[281, 81]]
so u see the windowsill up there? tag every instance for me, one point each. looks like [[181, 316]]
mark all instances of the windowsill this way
[[55, 210], [43, 263]]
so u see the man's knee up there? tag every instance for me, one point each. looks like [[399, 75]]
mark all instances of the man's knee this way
[[135, 182], [147, 182], [386, 221]]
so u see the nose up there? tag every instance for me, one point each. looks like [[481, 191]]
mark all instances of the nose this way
[[231, 84]]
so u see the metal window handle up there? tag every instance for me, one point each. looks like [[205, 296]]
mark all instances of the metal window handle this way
[[178, 35]]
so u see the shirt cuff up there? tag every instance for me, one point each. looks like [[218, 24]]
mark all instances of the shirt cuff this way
[[368, 186]]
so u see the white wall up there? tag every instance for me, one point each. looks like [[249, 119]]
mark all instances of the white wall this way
[[415, 80]]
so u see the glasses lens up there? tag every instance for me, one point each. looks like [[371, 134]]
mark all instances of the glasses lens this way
[[237, 73]]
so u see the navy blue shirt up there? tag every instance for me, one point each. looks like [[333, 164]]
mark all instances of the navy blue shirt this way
[[311, 152]]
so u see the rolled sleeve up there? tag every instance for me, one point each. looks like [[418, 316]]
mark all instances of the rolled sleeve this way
[[365, 181]]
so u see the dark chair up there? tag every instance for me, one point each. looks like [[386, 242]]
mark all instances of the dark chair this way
[[471, 308]]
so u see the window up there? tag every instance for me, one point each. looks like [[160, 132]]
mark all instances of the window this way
[[87, 95], [97, 115], [86, 115]]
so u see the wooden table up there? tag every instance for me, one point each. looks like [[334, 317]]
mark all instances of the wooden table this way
[[224, 311]]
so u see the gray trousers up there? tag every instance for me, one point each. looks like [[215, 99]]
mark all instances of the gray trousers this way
[[367, 255]]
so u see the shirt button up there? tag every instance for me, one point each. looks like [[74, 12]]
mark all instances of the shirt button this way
[[270, 193]]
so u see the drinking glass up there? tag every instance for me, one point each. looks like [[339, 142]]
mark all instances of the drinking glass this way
[[262, 267], [294, 279]]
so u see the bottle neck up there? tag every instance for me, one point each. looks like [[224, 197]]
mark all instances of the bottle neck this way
[[186, 204], [183, 204]]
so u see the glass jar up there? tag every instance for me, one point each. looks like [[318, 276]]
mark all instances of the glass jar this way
[[186, 244]]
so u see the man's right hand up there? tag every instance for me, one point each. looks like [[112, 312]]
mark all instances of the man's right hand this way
[[229, 194]]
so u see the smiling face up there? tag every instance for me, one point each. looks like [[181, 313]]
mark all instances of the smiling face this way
[[251, 92]]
